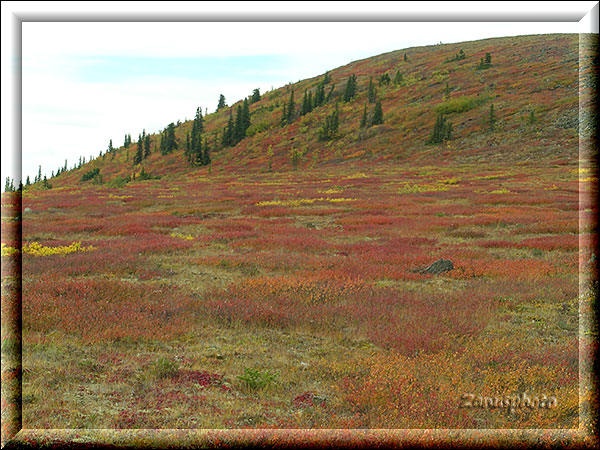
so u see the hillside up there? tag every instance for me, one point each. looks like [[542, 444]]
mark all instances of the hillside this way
[[295, 291], [532, 83]]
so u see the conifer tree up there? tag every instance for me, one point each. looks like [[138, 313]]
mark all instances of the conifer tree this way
[[350, 90], [364, 119], [110, 146], [170, 141], [255, 95], [228, 131], [27, 183], [371, 92], [441, 132], [405, 58], [245, 116], [147, 146], [291, 109], [139, 154], [377, 114], [330, 127], [238, 131], [398, 78], [222, 103]]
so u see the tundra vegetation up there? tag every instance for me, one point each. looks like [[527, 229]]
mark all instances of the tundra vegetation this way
[[276, 283]]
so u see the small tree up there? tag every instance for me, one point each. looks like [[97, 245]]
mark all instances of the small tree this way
[[364, 120], [377, 114], [255, 95], [147, 146], [350, 89], [371, 93], [139, 154], [330, 127], [221, 103], [398, 78], [441, 132]]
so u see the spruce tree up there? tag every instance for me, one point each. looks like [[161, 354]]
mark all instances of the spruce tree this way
[[377, 114], [238, 131], [147, 146], [398, 78], [222, 103], [372, 95], [364, 119], [350, 89], [228, 131], [291, 109], [441, 132], [139, 154], [245, 117], [255, 95]]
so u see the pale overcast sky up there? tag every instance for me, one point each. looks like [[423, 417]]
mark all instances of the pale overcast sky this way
[[84, 83]]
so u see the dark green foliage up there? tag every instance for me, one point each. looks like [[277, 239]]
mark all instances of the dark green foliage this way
[[372, 94], [240, 126], [194, 142], [531, 118], [289, 111], [111, 148], [307, 103], [330, 128], [485, 63], [399, 78], [90, 174], [365, 119], [238, 131], [126, 142], [350, 89], [457, 57], [9, 186], [227, 139], [222, 103], [139, 153], [170, 141], [255, 96], [147, 146], [384, 79], [330, 93], [27, 183], [442, 130], [377, 114], [405, 58]]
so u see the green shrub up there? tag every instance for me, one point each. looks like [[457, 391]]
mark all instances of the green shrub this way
[[90, 174], [165, 368], [255, 379]]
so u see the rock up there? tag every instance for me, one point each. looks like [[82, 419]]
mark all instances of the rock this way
[[27, 210], [439, 266]]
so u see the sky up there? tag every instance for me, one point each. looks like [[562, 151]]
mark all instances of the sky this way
[[85, 83]]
